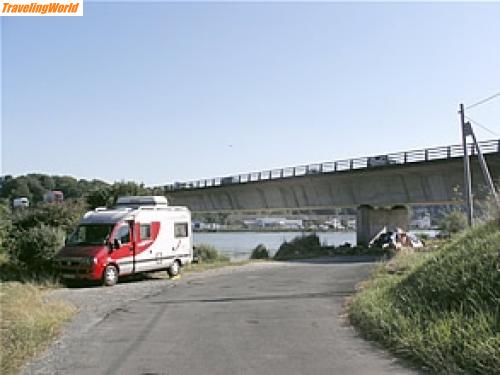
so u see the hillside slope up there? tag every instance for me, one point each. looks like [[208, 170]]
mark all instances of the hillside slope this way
[[440, 310]]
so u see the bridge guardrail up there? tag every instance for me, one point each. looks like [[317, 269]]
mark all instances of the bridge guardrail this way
[[405, 157]]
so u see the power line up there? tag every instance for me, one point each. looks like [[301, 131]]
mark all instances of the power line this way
[[482, 126], [483, 101]]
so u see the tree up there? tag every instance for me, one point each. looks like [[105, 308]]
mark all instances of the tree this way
[[21, 189], [36, 188], [5, 223], [68, 185], [100, 197]]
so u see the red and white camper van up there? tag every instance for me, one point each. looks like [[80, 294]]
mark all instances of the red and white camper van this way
[[140, 234]]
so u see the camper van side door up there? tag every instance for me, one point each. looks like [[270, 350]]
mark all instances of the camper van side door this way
[[124, 254], [146, 254]]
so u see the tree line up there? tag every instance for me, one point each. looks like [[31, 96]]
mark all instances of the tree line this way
[[94, 192]]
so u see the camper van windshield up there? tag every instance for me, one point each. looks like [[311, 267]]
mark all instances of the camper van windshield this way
[[93, 234]]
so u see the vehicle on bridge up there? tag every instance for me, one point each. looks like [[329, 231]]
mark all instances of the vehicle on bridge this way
[[140, 234], [229, 180], [380, 160]]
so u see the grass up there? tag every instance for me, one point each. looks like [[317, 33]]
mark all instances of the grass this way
[[28, 323], [440, 310]]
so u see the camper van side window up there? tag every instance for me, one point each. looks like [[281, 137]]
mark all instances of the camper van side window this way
[[145, 232], [123, 234], [180, 230]]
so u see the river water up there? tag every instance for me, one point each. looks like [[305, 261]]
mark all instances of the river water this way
[[239, 245]]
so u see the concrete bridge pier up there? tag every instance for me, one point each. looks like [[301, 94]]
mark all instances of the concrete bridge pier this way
[[371, 220]]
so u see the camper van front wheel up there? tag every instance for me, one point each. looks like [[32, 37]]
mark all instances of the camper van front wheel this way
[[174, 269], [110, 276]]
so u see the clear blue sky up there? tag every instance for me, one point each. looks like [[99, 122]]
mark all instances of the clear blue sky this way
[[165, 92]]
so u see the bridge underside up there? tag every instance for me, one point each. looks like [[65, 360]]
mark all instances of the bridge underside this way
[[380, 194], [426, 183]]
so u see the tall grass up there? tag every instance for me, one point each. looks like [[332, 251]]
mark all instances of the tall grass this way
[[27, 323], [440, 310]]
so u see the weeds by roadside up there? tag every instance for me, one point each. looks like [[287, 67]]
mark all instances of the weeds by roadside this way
[[28, 322], [438, 309]]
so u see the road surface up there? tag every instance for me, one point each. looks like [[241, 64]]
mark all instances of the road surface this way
[[284, 318]]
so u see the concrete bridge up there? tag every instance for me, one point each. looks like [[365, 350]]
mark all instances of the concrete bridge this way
[[381, 187]]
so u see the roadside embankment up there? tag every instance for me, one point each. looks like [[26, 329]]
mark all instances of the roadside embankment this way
[[439, 310]]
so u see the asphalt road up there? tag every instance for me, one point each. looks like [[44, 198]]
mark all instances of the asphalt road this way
[[280, 319]]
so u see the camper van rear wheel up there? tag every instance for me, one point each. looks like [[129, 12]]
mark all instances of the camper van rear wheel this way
[[110, 276], [174, 269]]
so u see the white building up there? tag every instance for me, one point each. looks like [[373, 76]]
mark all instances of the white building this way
[[273, 222]]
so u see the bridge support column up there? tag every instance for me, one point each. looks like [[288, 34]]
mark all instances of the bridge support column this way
[[371, 220]]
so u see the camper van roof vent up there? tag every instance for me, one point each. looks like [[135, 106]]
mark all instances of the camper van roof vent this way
[[137, 201]]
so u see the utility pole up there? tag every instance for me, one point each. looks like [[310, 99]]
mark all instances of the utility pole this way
[[484, 168], [467, 176]]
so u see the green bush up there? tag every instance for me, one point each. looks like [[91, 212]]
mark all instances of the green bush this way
[[5, 226], [64, 216], [209, 253], [34, 248], [260, 252], [454, 222], [301, 247]]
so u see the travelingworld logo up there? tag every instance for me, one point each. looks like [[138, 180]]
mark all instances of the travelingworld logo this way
[[42, 8]]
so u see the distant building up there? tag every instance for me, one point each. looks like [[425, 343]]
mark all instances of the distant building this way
[[198, 225], [273, 222], [20, 202], [53, 196], [422, 222], [350, 224], [335, 223]]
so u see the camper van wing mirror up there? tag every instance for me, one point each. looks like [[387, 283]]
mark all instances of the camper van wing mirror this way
[[117, 244]]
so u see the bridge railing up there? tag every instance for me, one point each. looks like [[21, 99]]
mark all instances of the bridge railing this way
[[405, 157]]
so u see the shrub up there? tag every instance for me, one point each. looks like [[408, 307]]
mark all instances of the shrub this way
[[5, 226], [301, 247], [454, 222], [34, 248], [260, 252], [210, 254], [64, 216]]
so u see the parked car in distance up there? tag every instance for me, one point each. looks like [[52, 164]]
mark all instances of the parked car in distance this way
[[380, 160]]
